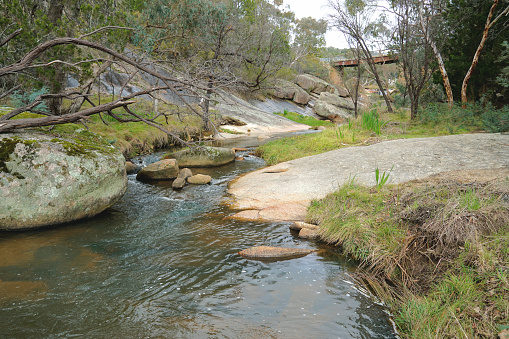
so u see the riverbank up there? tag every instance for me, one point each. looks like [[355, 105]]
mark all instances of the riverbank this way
[[435, 251], [297, 182], [433, 248]]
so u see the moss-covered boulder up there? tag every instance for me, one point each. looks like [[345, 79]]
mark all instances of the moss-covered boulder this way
[[46, 180], [203, 156]]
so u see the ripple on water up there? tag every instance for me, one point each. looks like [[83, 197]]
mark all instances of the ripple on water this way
[[164, 263]]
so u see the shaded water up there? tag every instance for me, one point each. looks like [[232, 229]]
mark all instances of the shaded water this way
[[164, 264]]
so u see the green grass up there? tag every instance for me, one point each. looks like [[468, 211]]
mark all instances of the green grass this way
[[133, 138], [333, 137], [304, 119], [436, 252], [373, 126]]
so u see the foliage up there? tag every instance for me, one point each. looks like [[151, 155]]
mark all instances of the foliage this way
[[434, 251], [465, 21], [503, 78], [311, 64], [472, 118], [41, 21], [310, 34], [19, 98]]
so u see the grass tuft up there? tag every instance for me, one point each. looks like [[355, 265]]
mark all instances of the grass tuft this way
[[435, 251]]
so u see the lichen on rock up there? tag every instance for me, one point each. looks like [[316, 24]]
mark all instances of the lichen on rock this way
[[46, 180]]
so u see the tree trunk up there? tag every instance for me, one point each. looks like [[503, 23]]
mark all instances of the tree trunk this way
[[56, 8], [441, 65], [476, 55], [372, 66], [414, 106]]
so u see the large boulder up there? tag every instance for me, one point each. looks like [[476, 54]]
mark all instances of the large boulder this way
[[203, 156], [342, 92], [331, 112], [336, 100], [290, 91], [301, 97], [132, 168], [166, 169], [313, 84], [284, 89], [46, 180]]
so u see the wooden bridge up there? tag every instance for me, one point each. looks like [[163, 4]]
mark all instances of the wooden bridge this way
[[380, 60]]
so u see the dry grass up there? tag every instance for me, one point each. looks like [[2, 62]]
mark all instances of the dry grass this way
[[436, 250]]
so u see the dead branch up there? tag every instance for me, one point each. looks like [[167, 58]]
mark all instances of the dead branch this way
[[11, 125], [11, 36]]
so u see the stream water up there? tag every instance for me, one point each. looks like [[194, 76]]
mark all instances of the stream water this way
[[164, 264]]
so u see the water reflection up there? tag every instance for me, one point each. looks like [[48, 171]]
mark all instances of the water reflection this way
[[164, 263]]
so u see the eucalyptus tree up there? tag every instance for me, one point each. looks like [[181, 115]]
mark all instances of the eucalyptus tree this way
[[37, 21], [490, 21], [474, 33], [415, 53], [355, 19], [310, 35], [431, 21], [219, 44]]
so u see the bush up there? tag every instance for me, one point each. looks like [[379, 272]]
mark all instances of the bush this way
[[473, 117], [496, 121]]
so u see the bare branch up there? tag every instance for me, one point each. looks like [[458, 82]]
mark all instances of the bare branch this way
[[105, 28], [3, 95], [10, 36], [11, 125]]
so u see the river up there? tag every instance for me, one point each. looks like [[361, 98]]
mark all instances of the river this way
[[164, 264]]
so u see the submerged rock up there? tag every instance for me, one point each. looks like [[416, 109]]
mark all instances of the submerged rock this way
[[308, 233], [47, 181], [299, 225], [161, 170], [203, 156], [274, 253]]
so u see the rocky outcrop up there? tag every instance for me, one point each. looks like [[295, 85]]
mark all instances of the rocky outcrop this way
[[46, 180], [199, 179], [331, 112], [336, 100], [290, 91], [313, 84], [203, 156], [274, 253], [166, 169], [342, 92]]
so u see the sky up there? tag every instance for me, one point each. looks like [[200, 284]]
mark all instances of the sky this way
[[317, 9]]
